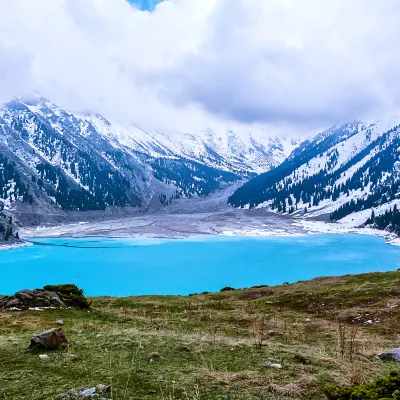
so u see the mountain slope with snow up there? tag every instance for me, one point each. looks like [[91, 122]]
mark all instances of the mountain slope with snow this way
[[52, 161], [345, 170]]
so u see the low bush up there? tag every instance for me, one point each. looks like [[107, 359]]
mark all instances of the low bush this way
[[227, 289], [381, 389], [70, 294]]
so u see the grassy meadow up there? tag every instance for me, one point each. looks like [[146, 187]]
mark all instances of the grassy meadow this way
[[211, 346]]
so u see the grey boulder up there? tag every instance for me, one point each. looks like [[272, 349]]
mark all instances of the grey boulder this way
[[390, 355]]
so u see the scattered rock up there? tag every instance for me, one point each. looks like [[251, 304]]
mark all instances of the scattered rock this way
[[272, 364], [86, 393], [51, 338], [60, 322], [44, 357], [71, 356], [32, 299], [103, 388], [390, 355]]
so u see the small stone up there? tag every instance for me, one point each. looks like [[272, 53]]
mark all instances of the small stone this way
[[271, 332], [60, 322], [236, 358], [88, 392], [151, 360], [79, 332], [272, 365], [99, 335], [103, 388], [160, 378], [71, 356], [44, 357], [115, 343], [307, 320]]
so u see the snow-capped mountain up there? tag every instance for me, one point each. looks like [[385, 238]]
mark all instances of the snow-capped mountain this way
[[343, 173], [52, 161], [242, 151]]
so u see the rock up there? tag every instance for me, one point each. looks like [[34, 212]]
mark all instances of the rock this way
[[60, 322], [390, 355], [25, 295], [271, 332], [160, 378], [272, 365], [32, 299], [51, 338], [99, 335], [79, 332], [13, 303], [44, 357], [103, 388], [71, 356], [88, 392], [307, 320]]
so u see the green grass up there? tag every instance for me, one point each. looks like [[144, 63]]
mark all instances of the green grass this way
[[211, 346]]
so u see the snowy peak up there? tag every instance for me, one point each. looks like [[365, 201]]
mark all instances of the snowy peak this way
[[68, 162], [344, 170], [219, 148]]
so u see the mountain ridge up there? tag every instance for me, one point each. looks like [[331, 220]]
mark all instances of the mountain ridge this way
[[343, 171], [53, 162]]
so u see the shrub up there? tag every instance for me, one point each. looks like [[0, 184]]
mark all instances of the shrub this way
[[301, 359], [227, 289], [70, 294], [381, 389]]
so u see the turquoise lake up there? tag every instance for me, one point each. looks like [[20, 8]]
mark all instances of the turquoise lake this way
[[121, 267]]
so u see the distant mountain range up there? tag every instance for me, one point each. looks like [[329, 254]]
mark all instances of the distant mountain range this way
[[53, 162], [344, 174]]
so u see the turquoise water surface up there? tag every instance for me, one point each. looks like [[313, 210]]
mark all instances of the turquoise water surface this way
[[121, 267]]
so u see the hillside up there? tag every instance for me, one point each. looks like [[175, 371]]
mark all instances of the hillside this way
[[53, 162], [344, 172], [218, 345]]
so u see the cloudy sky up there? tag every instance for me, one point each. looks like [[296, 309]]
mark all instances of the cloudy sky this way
[[291, 65]]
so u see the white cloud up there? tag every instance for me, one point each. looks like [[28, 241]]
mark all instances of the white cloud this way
[[289, 64]]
